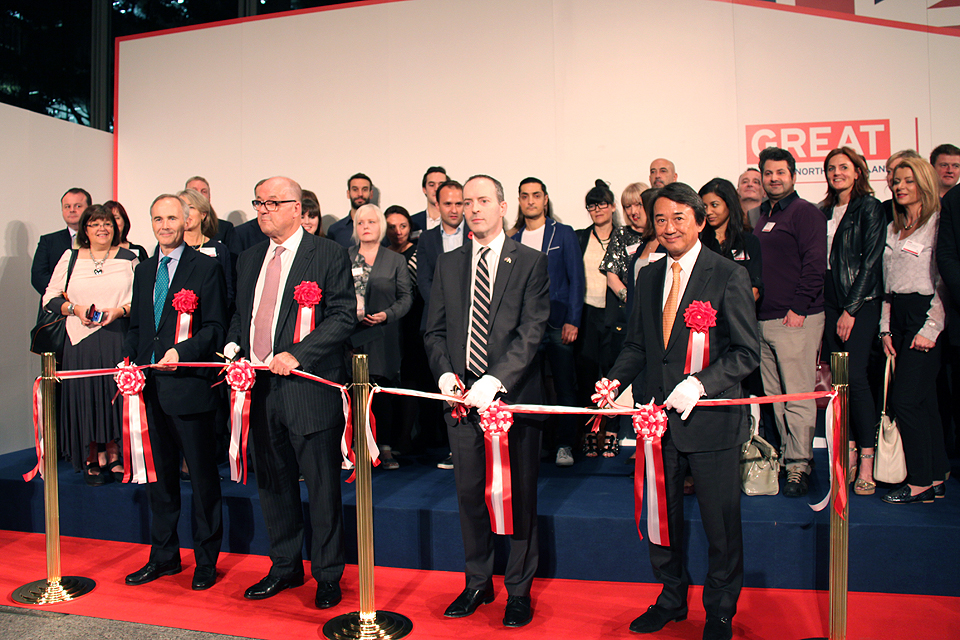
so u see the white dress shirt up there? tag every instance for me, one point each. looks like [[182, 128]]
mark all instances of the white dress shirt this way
[[687, 262], [286, 261]]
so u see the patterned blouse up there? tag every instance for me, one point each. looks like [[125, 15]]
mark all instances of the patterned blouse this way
[[624, 242]]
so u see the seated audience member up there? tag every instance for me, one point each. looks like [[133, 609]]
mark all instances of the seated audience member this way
[[429, 218], [852, 290], [101, 281], [724, 232], [224, 228], [892, 162], [945, 159], [538, 230], [750, 192], [123, 223], [594, 351], [201, 227], [384, 295], [51, 246], [310, 213], [911, 320]]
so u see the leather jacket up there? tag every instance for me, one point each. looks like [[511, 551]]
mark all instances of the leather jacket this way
[[856, 253]]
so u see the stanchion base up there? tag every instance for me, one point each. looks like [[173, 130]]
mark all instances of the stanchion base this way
[[349, 626], [42, 592]]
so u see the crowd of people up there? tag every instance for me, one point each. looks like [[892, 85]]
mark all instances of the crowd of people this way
[[450, 298]]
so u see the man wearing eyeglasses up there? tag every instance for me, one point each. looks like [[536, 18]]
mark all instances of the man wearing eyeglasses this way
[[360, 192], [295, 423]]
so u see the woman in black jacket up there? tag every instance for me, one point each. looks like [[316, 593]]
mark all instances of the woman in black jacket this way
[[852, 292]]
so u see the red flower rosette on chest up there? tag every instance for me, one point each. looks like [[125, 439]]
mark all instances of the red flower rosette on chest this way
[[307, 295], [495, 421], [240, 376], [138, 466], [699, 318], [185, 302], [650, 423]]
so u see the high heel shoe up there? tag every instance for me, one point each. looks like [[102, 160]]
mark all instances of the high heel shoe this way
[[590, 449]]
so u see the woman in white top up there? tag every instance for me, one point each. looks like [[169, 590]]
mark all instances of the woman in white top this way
[[912, 318], [101, 281]]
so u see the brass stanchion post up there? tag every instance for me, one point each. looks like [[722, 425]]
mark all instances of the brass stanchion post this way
[[368, 622], [55, 588]]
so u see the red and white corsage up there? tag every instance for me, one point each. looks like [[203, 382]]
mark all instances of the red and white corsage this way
[[185, 302], [699, 318], [307, 295]]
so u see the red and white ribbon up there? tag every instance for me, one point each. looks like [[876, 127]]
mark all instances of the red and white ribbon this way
[[37, 430], [241, 377], [185, 302], [650, 423], [138, 464], [699, 317], [307, 296], [495, 421], [836, 453]]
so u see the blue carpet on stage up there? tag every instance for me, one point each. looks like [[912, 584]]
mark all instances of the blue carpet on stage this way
[[586, 525]]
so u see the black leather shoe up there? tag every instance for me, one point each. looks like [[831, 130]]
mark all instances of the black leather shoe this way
[[271, 586], [656, 618], [718, 628], [153, 570], [204, 577], [328, 594], [940, 490], [518, 612], [901, 495], [467, 602]]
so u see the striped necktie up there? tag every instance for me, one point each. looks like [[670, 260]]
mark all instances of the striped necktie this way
[[480, 318]]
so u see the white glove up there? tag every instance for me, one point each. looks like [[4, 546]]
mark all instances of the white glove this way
[[449, 386], [684, 396], [483, 392], [230, 350]]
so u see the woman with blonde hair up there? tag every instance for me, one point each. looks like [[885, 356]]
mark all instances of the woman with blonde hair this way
[[201, 227]]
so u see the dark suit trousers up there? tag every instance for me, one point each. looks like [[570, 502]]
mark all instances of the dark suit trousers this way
[[469, 468], [193, 434], [281, 456], [716, 475]]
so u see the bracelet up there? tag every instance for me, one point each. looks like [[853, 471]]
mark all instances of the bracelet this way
[[70, 308], [622, 294], [884, 334]]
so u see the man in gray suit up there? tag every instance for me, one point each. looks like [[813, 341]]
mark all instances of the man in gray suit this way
[[295, 423], [488, 310]]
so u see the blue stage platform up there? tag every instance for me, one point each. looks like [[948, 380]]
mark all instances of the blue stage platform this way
[[586, 526]]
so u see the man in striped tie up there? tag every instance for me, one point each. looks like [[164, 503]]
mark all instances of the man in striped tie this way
[[489, 306]]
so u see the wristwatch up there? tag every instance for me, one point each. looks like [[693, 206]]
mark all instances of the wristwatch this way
[[70, 309]]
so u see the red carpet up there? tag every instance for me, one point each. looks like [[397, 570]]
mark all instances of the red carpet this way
[[563, 608]]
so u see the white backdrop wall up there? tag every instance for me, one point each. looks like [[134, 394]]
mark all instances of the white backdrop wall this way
[[43, 158], [566, 90]]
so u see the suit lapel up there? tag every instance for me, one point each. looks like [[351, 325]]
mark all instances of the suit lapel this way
[[504, 269], [693, 291]]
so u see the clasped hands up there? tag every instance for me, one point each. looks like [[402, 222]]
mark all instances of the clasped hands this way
[[480, 395]]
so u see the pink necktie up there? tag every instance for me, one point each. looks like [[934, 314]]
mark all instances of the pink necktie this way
[[263, 322]]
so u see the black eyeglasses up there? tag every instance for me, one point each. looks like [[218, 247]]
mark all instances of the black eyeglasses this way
[[269, 205], [593, 208]]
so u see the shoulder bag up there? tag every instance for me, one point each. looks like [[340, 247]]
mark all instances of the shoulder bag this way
[[50, 331]]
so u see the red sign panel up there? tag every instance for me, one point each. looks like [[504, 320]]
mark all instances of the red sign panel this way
[[812, 141]]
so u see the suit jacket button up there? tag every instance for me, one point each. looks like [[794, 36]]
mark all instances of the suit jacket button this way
[[664, 361]]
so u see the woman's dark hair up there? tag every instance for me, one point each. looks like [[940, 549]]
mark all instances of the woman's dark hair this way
[[114, 206], [395, 208], [91, 214], [647, 198], [734, 242], [861, 186], [601, 194]]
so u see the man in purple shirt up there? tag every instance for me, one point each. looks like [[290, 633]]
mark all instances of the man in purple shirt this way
[[793, 245]]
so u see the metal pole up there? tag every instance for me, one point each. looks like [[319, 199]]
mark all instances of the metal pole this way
[[839, 524], [55, 588], [368, 622]]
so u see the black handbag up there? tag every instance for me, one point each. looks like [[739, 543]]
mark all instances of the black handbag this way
[[51, 330]]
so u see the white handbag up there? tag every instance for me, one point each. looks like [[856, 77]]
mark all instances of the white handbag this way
[[889, 465]]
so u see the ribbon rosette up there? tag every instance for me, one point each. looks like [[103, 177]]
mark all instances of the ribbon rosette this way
[[495, 421], [138, 464], [240, 376], [650, 423], [185, 302], [699, 318], [606, 393], [307, 295]]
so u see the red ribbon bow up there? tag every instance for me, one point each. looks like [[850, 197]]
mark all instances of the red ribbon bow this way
[[307, 294], [138, 464], [240, 376], [185, 301], [700, 316], [650, 423]]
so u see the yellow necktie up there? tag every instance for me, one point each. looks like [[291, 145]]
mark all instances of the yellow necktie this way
[[670, 309]]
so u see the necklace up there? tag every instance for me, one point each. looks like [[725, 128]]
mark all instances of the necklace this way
[[98, 264], [910, 226]]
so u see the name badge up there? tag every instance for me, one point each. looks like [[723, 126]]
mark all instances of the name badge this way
[[653, 257], [632, 249], [767, 228], [911, 247], [740, 255], [208, 251], [357, 272]]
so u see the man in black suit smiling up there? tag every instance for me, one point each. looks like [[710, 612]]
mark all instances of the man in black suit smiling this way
[[488, 311], [704, 441], [295, 423], [180, 403], [52, 245]]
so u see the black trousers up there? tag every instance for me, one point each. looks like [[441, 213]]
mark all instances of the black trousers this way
[[913, 393], [193, 435], [863, 406], [281, 456], [469, 469], [716, 475]]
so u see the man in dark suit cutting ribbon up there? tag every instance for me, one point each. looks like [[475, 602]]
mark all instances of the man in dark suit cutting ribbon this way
[[681, 367], [295, 423]]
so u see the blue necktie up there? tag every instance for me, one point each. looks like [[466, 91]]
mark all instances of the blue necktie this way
[[160, 295]]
